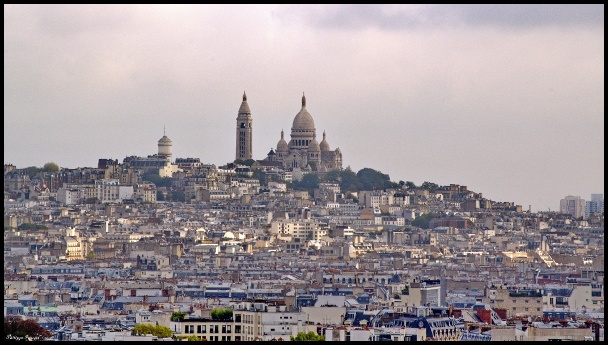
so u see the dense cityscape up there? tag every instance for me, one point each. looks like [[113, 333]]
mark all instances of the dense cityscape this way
[[292, 246]]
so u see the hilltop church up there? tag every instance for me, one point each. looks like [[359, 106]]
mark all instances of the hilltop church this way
[[303, 149]]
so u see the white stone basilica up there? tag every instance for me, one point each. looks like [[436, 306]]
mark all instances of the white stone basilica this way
[[303, 148], [302, 151]]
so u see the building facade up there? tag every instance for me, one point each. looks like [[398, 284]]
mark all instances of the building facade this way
[[596, 205], [573, 205]]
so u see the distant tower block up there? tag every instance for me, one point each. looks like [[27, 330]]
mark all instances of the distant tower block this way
[[165, 147], [244, 131]]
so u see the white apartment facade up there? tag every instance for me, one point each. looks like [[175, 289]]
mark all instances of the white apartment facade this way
[[573, 205], [110, 190], [302, 229]]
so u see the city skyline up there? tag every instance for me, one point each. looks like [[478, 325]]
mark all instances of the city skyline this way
[[505, 99]]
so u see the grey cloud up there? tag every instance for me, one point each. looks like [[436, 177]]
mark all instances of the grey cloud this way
[[396, 17], [532, 15]]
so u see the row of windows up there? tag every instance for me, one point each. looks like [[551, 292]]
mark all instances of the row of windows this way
[[224, 338], [526, 301], [189, 329], [350, 280], [302, 142], [525, 309]]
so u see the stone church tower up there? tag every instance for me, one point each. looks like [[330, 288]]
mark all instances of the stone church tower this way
[[244, 131]]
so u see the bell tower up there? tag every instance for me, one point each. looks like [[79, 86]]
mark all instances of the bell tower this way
[[244, 131]]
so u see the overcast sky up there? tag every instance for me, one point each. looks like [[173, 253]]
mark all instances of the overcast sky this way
[[505, 99]]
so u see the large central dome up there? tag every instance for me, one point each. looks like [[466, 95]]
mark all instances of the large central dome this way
[[303, 120]]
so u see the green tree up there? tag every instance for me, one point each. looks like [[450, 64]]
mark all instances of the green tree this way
[[222, 314], [157, 330], [178, 316], [160, 196], [50, 167], [31, 171], [178, 195], [16, 328], [430, 186], [154, 177], [333, 176], [423, 220], [310, 336], [309, 182], [347, 179], [410, 184], [249, 162], [260, 176], [371, 179]]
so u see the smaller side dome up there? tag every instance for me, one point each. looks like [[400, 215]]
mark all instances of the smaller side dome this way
[[282, 144], [324, 144], [314, 144]]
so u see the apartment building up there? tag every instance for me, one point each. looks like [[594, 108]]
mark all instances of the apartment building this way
[[302, 229], [207, 329], [595, 205], [266, 320], [517, 302], [573, 205], [110, 190]]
